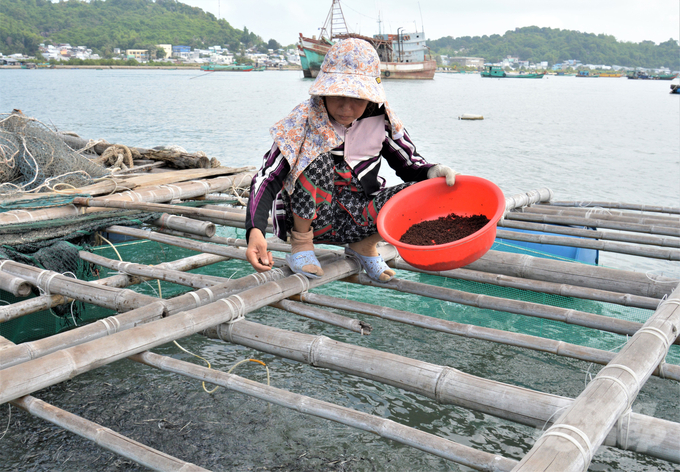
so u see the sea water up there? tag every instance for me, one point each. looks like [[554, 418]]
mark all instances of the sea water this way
[[605, 139]]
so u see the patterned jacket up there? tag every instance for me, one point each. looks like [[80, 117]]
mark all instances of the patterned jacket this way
[[363, 145]]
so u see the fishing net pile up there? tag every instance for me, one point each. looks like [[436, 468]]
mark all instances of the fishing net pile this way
[[34, 158]]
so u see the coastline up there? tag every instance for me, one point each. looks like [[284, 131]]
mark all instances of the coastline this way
[[174, 67]]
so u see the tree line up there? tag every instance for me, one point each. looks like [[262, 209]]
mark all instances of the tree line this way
[[555, 45], [105, 25], [142, 24]]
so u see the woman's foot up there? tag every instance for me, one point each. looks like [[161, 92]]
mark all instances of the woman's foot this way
[[302, 259], [367, 252]]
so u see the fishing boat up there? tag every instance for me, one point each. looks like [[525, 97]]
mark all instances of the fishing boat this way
[[498, 73], [228, 67], [666, 76], [611, 74], [587, 73], [402, 55]]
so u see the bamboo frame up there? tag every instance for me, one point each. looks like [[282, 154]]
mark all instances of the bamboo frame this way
[[444, 384], [536, 343], [388, 429], [584, 425]]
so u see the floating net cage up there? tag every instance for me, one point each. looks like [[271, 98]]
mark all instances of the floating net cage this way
[[34, 158]]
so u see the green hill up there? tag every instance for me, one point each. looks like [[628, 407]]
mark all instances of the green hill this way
[[554, 45], [104, 25]]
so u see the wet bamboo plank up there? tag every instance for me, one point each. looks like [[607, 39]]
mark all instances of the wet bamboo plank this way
[[373, 424], [105, 437], [569, 445]]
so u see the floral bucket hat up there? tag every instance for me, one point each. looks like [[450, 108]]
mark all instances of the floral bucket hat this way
[[351, 68]]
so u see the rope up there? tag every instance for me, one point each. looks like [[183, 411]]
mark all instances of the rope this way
[[587, 455]]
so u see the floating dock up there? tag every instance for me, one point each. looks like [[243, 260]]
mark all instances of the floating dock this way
[[183, 207]]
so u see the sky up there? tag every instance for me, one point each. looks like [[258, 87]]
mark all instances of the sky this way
[[283, 20]]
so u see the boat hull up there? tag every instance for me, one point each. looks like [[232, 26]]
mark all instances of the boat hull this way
[[408, 70], [315, 51]]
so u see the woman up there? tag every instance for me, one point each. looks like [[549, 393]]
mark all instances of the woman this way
[[320, 179]]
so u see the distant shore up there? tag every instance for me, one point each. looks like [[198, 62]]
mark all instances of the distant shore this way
[[169, 67]]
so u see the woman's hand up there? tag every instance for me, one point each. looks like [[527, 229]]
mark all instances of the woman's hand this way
[[257, 253], [443, 171]]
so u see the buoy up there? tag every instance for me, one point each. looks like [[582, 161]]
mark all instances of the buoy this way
[[467, 116]]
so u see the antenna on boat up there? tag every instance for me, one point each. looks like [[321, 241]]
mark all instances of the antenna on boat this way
[[335, 24], [379, 25], [422, 26]]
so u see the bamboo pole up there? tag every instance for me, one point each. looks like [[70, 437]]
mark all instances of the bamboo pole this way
[[564, 290], [154, 207], [314, 313], [604, 214], [594, 234], [382, 427], [537, 310], [644, 434], [570, 443], [598, 223], [41, 347], [536, 343], [187, 225], [153, 272], [105, 437], [50, 369], [45, 302], [529, 198], [615, 280], [53, 282], [609, 246], [617, 205], [150, 193], [14, 285]]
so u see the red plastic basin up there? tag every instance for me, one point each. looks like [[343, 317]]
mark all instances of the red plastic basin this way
[[431, 199]]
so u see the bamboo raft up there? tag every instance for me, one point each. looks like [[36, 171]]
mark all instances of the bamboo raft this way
[[569, 430]]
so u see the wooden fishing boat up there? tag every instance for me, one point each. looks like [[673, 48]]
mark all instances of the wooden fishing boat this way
[[587, 73], [622, 320], [402, 55], [498, 73], [610, 74]]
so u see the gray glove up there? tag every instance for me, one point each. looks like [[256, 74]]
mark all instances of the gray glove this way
[[443, 171]]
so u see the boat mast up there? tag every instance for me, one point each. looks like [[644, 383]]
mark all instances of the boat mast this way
[[335, 22]]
